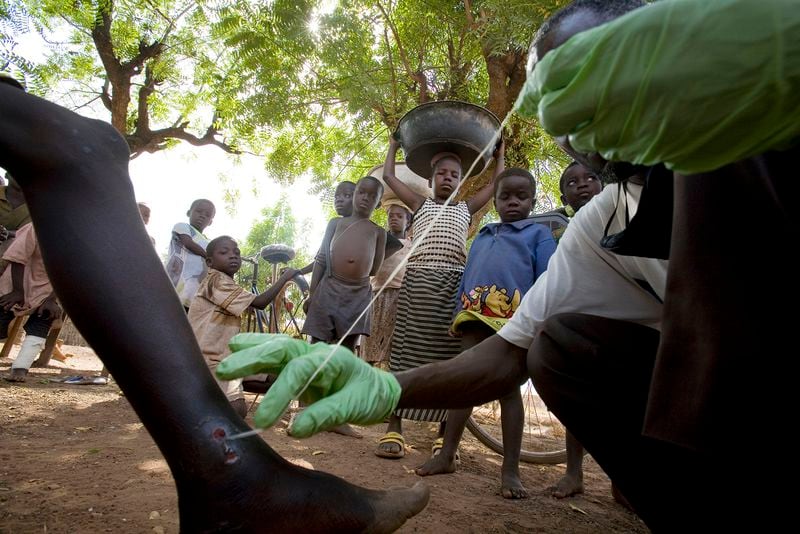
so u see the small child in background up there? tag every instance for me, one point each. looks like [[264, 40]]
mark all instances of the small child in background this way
[[433, 274], [504, 261], [343, 205], [186, 264], [378, 344], [352, 250], [215, 312], [578, 185], [144, 211], [26, 290]]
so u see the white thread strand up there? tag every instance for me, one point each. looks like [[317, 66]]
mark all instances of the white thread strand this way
[[415, 244]]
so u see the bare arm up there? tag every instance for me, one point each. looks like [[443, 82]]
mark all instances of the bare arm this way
[[380, 250], [262, 300], [483, 196], [483, 373], [319, 263], [191, 246], [308, 268], [17, 295], [410, 198]]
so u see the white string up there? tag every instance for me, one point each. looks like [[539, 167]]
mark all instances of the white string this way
[[401, 265]]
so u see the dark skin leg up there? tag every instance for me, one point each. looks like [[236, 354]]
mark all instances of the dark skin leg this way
[[572, 481], [67, 164], [512, 418]]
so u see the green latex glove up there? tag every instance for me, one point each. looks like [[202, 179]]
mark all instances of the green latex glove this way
[[692, 84], [346, 389]]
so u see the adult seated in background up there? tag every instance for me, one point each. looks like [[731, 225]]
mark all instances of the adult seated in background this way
[[666, 415], [13, 215], [74, 172]]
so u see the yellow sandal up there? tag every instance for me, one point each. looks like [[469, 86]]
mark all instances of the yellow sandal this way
[[391, 437], [438, 445]]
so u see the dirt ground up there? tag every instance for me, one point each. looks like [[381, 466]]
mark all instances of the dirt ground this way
[[75, 459]]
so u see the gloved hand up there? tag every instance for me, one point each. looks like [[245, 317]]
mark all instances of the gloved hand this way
[[346, 389], [693, 85]]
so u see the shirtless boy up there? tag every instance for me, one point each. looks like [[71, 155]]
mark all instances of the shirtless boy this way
[[352, 251]]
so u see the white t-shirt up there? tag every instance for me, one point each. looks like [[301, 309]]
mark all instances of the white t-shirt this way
[[583, 277]]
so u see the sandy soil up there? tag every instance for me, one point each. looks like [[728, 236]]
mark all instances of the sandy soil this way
[[75, 458]]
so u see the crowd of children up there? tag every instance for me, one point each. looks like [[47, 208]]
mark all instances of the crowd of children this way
[[438, 303]]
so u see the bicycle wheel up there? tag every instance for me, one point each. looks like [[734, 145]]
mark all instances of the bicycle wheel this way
[[287, 303], [543, 436]]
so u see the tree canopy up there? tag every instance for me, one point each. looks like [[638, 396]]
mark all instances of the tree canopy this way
[[313, 85]]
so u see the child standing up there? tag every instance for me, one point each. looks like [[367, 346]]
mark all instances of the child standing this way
[[433, 274], [186, 264], [377, 346], [343, 204], [578, 186], [352, 251], [215, 312], [505, 260], [26, 290]]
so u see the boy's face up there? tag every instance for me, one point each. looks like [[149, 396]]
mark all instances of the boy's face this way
[[226, 257], [145, 213], [343, 199], [514, 198], [397, 218], [580, 185], [201, 215], [366, 198], [446, 176]]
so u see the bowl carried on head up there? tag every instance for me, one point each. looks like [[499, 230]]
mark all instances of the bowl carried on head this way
[[448, 126]]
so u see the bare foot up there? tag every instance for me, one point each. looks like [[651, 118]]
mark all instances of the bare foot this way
[[511, 486], [244, 486], [346, 430], [240, 407], [437, 465], [17, 375], [568, 486]]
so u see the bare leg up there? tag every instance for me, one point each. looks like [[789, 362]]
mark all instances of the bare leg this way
[[572, 481], [445, 461], [512, 417], [74, 174]]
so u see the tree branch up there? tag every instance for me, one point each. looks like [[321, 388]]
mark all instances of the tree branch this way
[[417, 75], [155, 140]]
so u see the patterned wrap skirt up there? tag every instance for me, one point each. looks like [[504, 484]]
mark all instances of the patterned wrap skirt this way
[[424, 312]]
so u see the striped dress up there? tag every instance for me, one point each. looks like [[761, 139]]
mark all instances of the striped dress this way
[[428, 295]]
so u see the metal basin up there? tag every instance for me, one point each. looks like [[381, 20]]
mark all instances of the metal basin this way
[[447, 126]]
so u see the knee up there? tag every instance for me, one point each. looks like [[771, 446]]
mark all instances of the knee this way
[[554, 343]]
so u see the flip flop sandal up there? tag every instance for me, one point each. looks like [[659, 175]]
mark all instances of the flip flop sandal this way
[[438, 445], [391, 437]]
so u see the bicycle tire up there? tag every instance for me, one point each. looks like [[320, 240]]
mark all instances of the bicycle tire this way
[[544, 438], [281, 309]]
